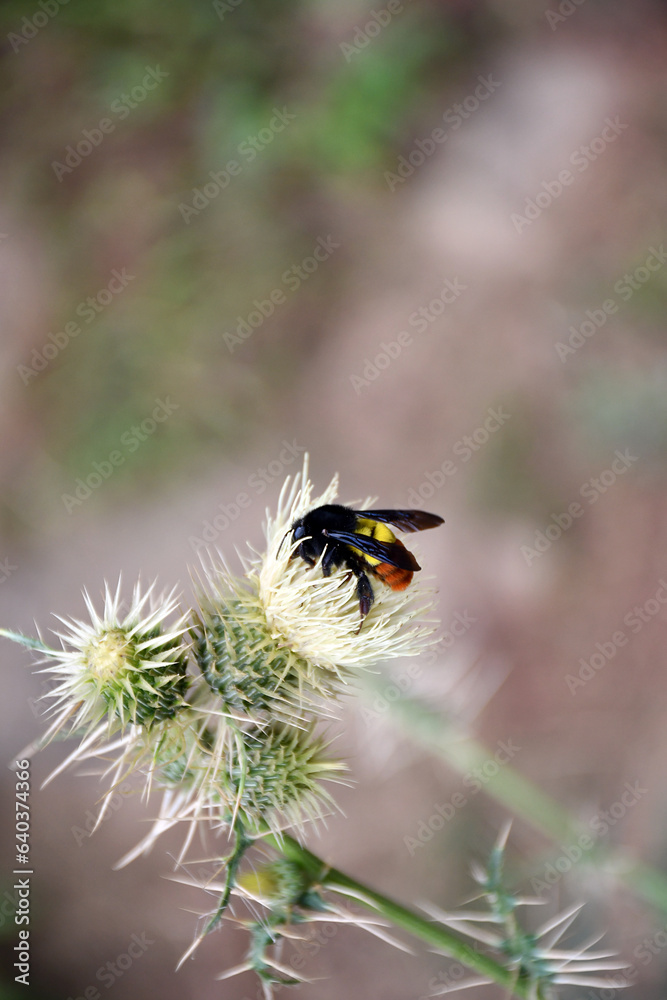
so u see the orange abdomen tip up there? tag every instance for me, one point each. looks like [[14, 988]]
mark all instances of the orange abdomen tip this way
[[393, 576]]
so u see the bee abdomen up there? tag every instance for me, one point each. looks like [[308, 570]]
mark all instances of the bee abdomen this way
[[393, 576]]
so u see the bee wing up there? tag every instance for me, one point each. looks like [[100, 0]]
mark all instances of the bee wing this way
[[394, 553], [406, 520]]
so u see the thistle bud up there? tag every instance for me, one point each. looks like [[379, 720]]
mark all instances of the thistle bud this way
[[129, 668], [274, 778], [278, 884]]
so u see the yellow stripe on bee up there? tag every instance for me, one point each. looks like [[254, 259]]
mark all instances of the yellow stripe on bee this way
[[374, 529]]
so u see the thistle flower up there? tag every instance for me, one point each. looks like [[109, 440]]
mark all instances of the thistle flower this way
[[128, 668], [282, 642], [273, 649], [317, 617], [243, 752]]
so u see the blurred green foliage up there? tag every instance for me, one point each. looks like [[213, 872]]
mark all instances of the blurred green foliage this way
[[227, 68], [227, 71]]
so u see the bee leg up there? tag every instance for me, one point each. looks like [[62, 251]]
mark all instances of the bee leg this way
[[305, 555], [328, 561], [365, 594]]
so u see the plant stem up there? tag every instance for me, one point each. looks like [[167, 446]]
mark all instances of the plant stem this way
[[233, 862], [436, 935]]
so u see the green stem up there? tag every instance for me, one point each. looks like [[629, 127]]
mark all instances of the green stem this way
[[435, 935], [241, 845]]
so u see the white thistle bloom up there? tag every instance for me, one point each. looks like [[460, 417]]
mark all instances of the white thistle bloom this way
[[120, 669], [278, 644], [318, 617]]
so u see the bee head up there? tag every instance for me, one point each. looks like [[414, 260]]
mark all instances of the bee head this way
[[297, 531]]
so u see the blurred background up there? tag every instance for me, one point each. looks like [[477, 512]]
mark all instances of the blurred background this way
[[421, 241]]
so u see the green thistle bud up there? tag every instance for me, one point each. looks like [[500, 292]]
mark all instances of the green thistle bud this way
[[539, 957], [275, 777], [266, 778], [281, 883], [126, 667]]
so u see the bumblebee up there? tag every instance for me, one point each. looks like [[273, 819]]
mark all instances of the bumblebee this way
[[361, 541]]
